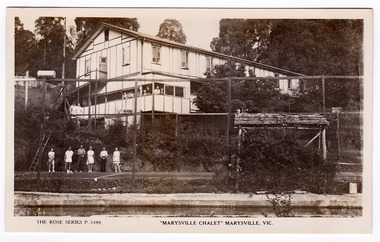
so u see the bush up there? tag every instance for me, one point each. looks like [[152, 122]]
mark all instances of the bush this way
[[158, 143], [200, 149], [274, 161]]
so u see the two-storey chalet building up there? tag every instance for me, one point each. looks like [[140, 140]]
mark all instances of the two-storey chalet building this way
[[113, 52]]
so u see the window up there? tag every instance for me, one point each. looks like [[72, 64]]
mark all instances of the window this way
[[102, 67], [179, 91], [289, 84], [169, 90], [158, 88], [185, 59], [146, 89], [156, 54], [126, 54], [252, 71], [208, 64], [88, 66], [277, 81], [106, 34]]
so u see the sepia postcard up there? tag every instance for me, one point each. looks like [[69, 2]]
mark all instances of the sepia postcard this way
[[189, 120]]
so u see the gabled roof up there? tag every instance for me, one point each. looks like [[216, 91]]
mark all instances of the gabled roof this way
[[158, 40]]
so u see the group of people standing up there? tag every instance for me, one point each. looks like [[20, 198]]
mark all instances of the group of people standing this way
[[84, 158]]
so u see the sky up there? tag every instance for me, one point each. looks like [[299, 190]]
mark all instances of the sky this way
[[199, 31]]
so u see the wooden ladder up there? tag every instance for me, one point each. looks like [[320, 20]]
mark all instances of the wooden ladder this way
[[39, 152]]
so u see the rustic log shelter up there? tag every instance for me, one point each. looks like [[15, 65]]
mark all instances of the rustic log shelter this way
[[244, 121]]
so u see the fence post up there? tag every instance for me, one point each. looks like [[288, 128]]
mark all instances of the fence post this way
[[324, 148], [228, 129], [134, 132], [96, 102], [89, 104], [42, 129], [26, 90], [228, 115], [323, 96]]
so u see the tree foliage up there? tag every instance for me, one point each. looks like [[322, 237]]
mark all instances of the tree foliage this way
[[244, 38], [316, 47], [307, 46], [43, 49], [24, 46], [158, 143], [277, 161], [172, 30], [247, 95]]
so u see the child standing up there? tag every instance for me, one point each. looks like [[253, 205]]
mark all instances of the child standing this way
[[90, 159], [51, 156], [116, 160], [68, 160]]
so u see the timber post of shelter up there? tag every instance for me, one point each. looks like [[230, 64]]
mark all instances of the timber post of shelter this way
[[338, 111]]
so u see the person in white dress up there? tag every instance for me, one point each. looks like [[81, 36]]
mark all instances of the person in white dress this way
[[51, 156], [90, 159], [68, 160], [116, 160]]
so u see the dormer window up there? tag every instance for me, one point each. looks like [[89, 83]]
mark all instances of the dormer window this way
[[156, 55]]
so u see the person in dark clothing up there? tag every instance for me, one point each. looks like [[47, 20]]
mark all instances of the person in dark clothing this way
[[103, 159]]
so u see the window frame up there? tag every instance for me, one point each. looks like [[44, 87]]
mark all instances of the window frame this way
[[87, 66], [184, 59], [290, 84], [169, 88], [175, 91], [209, 64], [156, 54], [126, 56], [103, 72]]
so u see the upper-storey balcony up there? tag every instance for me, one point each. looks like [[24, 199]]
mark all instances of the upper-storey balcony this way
[[151, 97]]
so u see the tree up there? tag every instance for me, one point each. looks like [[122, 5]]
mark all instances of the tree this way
[[248, 95], [86, 25], [243, 38], [49, 55], [315, 47], [24, 45], [319, 47], [172, 30], [307, 46]]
